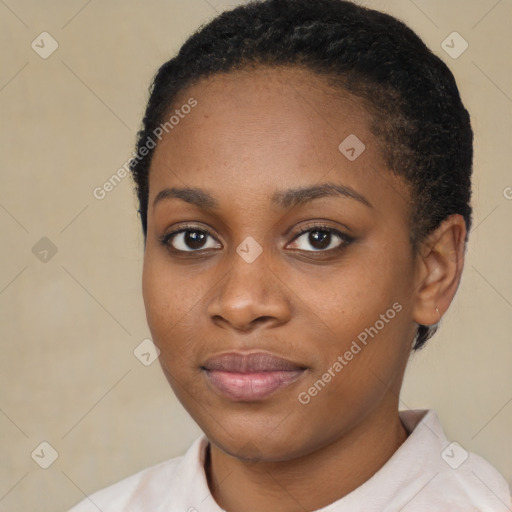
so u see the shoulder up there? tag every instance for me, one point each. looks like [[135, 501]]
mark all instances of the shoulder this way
[[475, 481], [449, 475], [146, 489], [474, 486], [119, 495]]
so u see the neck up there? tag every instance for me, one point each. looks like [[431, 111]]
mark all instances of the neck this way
[[310, 482]]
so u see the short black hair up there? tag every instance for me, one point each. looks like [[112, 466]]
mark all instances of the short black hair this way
[[417, 113]]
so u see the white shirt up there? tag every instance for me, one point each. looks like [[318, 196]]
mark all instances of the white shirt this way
[[426, 474]]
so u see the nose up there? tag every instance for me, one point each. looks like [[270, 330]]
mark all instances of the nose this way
[[251, 294]]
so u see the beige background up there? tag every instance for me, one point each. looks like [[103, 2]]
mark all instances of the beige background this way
[[69, 325]]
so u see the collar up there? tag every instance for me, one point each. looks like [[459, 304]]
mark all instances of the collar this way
[[189, 490]]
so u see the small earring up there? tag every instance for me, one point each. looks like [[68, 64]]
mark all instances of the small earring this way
[[438, 314]]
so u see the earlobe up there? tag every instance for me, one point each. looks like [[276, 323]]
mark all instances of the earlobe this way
[[439, 270]]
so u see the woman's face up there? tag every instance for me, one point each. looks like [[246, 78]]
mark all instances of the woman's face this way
[[278, 336]]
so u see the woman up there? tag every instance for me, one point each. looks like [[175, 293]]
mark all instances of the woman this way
[[304, 180]]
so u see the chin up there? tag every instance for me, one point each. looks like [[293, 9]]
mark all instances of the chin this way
[[258, 440]]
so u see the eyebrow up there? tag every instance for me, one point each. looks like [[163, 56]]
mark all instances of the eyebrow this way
[[283, 199]]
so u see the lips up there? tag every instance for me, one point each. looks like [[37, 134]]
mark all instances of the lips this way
[[250, 377], [249, 363]]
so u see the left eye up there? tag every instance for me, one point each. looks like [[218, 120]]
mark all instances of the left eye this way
[[321, 239]]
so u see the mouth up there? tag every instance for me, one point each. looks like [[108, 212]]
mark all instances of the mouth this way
[[250, 377]]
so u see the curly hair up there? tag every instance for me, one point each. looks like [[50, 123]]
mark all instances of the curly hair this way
[[417, 114]]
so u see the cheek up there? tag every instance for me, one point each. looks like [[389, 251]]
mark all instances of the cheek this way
[[350, 297], [364, 307], [170, 303]]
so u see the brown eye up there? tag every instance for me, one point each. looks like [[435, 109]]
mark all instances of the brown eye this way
[[189, 240], [321, 239]]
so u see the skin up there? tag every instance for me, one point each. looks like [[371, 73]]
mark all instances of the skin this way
[[254, 133]]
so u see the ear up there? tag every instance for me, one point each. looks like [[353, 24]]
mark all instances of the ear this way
[[438, 271]]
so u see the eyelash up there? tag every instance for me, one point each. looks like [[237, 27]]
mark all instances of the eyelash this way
[[345, 239]]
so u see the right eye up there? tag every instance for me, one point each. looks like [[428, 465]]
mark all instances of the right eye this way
[[189, 239]]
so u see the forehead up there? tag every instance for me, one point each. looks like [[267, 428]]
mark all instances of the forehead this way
[[257, 131]]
